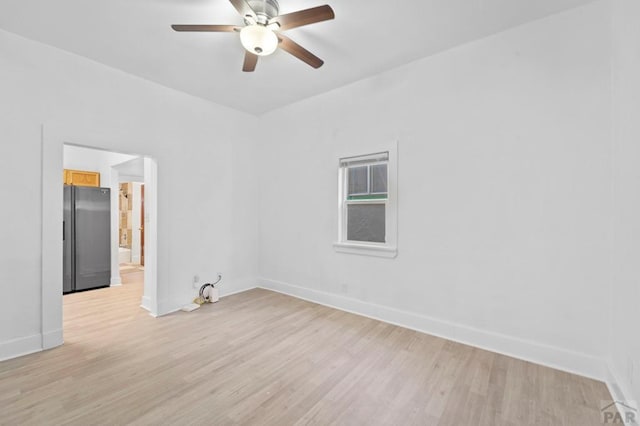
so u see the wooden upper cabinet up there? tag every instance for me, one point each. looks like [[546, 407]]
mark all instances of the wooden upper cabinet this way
[[81, 178]]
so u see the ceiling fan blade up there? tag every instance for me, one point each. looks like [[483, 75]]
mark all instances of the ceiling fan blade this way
[[243, 8], [304, 17], [299, 52], [207, 28], [250, 61]]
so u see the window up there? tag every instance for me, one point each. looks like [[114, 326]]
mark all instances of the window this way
[[367, 207], [366, 199]]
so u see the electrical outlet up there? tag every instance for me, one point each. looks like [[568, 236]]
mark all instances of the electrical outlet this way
[[345, 288], [196, 281]]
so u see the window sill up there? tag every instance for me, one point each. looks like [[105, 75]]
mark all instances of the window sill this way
[[366, 249]]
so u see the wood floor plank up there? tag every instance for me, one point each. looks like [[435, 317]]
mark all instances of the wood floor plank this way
[[263, 358]]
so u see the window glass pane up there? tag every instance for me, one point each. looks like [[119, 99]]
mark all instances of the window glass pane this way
[[358, 179], [379, 179], [366, 222]]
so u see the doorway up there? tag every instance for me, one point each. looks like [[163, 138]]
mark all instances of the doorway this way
[[131, 230], [54, 138]]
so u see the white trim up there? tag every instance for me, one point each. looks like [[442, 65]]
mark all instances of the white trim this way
[[617, 388], [380, 250], [252, 287], [166, 307], [116, 281], [30, 344], [52, 216], [539, 353], [114, 184], [52, 339], [170, 306], [145, 303], [20, 347], [151, 234]]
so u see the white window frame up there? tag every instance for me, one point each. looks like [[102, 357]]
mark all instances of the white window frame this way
[[389, 248]]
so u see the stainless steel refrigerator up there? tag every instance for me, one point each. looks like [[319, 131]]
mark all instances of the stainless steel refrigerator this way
[[87, 238]]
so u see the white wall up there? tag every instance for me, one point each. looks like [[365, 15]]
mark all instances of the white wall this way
[[132, 170], [504, 190], [625, 321], [205, 200], [79, 158]]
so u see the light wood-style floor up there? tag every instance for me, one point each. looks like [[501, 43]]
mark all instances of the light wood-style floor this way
[[262, 358]]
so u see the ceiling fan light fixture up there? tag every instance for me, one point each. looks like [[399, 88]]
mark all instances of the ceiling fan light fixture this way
[[262, 33], [258, 40]]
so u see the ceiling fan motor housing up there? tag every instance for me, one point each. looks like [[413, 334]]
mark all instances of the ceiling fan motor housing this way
[[264, 10]]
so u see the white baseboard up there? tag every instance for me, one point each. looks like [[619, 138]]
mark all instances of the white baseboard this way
[[538, 353], [19, 347], [242, 290], [115, 281], [619, 392], [145, 304], [52, 339], [37, 342], [167, 307]]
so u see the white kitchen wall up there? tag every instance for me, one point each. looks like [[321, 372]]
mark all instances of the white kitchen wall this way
[[131, 171], [504, 192], [625, 322], [80, 158], [206, 208]]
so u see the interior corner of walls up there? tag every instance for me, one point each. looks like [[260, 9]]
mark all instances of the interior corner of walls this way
[[175, 303], [558, 358], [617, 385], [20, 347], [238, 286], [169, 306]]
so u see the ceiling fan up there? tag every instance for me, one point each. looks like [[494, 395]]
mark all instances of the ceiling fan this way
[[261, 35]]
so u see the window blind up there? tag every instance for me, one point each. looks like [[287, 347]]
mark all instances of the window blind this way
[[364, 159]]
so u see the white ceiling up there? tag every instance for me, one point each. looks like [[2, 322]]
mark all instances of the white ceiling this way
[[367, 37]]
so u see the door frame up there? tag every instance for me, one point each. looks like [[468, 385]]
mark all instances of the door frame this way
[[142, 224], [53, 138]]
